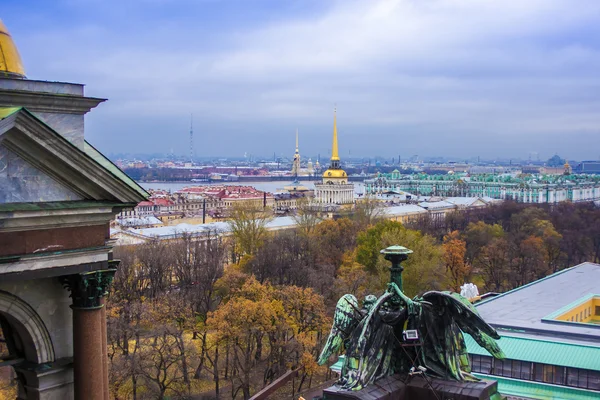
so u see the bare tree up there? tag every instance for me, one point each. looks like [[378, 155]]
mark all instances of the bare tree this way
[[307, 215], [367, 211], [248, 222]]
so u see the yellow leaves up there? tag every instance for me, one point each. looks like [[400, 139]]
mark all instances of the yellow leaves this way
[[292, 318], [353, 278], [240, 318]]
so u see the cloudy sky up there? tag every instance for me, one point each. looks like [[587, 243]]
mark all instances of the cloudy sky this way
[[459, 78]]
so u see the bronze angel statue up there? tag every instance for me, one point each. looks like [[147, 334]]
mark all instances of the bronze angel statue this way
[[395, 334]]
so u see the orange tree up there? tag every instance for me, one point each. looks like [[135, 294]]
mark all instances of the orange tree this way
[[454, 259]]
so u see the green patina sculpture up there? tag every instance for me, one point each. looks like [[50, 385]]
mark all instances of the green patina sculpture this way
[[395, 334]]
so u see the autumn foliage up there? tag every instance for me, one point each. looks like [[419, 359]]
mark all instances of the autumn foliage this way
[[226, 315]]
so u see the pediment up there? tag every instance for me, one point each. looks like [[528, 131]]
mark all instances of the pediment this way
[[21, 182], [74, 172]]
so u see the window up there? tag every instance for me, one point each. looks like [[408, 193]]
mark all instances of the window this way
[[481, 364], [598, 311], [594, 380], [502, 368], [559, 375], [550, 374], [524, 370]]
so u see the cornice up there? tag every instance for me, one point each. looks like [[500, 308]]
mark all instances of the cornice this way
[[23, 220], [48, 102]]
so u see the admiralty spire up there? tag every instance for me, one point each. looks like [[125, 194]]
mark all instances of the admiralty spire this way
[[335, 188]]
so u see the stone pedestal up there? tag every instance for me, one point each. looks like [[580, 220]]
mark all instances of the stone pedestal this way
[[50, 381], [397, 387]]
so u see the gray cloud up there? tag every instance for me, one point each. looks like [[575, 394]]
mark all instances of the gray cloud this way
[[429, 77]]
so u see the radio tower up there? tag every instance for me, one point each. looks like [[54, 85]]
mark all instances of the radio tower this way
[[191, 138]]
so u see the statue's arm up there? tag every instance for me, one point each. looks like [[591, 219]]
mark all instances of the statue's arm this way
[[394, 289]]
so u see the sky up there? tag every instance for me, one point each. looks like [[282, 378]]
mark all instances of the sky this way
[[456, 78]]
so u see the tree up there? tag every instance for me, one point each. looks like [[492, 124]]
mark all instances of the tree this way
[[424, 269], [246, 317], [529, 262], [306, 216], [333, 238], [369, 242], [354, 278], [160, 363], [454, 258], [493, 262], [155, 266], [248, 222], [477, 236], [367, 211]]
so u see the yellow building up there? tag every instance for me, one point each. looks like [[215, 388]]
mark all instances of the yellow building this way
[[335, 189]]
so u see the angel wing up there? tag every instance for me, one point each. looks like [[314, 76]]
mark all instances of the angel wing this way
[[345, 319], [467, 318]]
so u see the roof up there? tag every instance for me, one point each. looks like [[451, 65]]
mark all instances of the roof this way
[[112, 168], [538, 390], [464, 201], [436, 205], [403, 210], [521, 310], [168, 232], [139, 221], [543, 351]]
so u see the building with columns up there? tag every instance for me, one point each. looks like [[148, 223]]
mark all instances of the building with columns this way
[[335, 188], [521, 188], [58, 195]]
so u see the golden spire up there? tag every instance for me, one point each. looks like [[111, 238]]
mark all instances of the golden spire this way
[[334, 147], [10, 61]]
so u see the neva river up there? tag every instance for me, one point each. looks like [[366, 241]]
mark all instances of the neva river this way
[[271, 187]]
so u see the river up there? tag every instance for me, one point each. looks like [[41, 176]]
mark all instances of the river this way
[[271, 187]]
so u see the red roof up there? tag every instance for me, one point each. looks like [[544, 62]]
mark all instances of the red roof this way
[[163, 202]]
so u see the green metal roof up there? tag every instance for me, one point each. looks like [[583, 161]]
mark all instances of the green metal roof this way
[[538, 390], [113, 169], [542, 351]]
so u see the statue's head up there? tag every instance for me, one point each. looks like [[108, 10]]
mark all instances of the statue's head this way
[[369, 302]]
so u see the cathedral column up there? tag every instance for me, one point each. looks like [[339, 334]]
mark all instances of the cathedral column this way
[[90, 367]]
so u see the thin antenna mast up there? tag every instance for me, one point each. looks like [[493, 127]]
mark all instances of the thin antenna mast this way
[[191, 138]]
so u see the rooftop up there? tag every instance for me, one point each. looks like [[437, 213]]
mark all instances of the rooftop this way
[[525, 311], [169, 232]]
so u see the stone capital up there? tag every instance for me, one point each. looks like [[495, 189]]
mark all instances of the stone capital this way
[[88, 288]]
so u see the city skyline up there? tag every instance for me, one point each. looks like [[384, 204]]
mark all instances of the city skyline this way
[[457, 79]]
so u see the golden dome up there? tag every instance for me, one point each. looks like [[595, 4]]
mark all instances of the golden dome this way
[[10, 61], [334, 173]]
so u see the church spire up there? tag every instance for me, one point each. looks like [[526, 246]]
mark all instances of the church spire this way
[[297, 151], [334, 148]]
